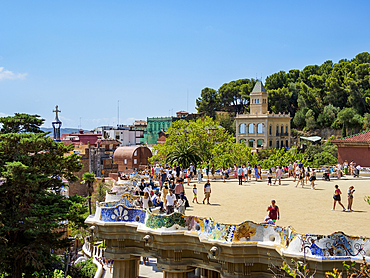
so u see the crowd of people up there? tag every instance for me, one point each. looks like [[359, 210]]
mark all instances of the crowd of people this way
[[165, 189]]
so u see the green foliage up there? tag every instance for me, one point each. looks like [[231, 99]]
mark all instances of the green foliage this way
[[101, 190], [33, 210], [202, 134], [310, 120], [57, 273], [325, 89], [366, 121], [367, 199], [349, 118], [227, 122], [328, 116], [209, 102], [281, 158], [229, 152], [297, 269], [21, 122], [89, 179], [183, 154], [236, 94], [299, 119], [318, 155], [85, 269]]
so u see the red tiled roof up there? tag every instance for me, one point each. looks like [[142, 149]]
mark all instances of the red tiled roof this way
[[360, 137], [108, 141]]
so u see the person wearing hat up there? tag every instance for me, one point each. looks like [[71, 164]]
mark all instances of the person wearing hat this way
[[268, 221]]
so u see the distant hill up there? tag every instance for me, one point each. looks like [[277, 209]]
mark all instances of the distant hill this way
[[62, 130]]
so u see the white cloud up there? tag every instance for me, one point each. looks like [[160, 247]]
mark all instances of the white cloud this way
[[3, 114], [7, 74]]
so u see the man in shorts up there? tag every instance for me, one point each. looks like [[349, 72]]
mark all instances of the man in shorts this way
[[207, 192]]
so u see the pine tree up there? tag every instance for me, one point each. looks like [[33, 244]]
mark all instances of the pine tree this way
[[33, 212]]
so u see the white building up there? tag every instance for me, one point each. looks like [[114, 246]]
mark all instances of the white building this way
[[126, 134]]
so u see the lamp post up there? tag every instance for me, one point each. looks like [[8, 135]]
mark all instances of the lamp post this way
[[56, 125]]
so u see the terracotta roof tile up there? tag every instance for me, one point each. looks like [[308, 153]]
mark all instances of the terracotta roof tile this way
[[359, 137]]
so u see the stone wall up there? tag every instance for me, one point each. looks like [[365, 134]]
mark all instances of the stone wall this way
[[181, 242]]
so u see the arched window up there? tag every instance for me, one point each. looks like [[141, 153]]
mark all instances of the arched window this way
[[282, 129], [242, 140], [286, 130], [277, 130], [259, 143], [251, 128], [242, 128], [277, 144], [251, 143], [258, 100], [270, 130], [260, 128]]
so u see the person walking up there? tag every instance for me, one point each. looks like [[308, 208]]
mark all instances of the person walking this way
[[213, 171], [273, 210], [207, 192], [207, 170], [313, 178], [240, 175], [199, 173], [350, 192], [195, 193], [269, 177], [300, 178], [279, 173], [337, 198], [256, 174]]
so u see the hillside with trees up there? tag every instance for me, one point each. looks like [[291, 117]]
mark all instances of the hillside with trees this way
[[335, 95]]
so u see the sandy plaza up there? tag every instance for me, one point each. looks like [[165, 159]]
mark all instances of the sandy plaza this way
[[306, 210]]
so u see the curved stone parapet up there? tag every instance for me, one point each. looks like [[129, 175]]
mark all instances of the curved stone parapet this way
[[334, 246], [182, 242]]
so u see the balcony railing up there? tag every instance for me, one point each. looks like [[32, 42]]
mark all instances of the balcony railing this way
[[282, 134]]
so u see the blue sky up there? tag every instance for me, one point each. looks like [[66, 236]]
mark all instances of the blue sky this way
[[155, 57]]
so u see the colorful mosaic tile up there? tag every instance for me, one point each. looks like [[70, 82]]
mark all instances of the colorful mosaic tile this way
[[155, 221], [122, 213]]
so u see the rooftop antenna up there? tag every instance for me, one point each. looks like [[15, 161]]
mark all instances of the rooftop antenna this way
[[118, 114]]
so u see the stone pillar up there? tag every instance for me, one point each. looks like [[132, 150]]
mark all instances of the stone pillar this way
[[174, 270], [128, 268], [206, 273], [167, 274]]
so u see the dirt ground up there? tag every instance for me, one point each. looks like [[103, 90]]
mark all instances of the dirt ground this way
[[306, 210]]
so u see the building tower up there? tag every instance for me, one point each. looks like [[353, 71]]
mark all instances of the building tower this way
[[56, 125], [260, 128]]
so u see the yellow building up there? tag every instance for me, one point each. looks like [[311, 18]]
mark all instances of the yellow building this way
[[260, 128]]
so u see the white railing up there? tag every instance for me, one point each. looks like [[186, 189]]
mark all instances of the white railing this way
[[94, 252]]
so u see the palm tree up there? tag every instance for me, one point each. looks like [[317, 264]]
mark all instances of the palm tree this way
[[89, 178], [184, 154]]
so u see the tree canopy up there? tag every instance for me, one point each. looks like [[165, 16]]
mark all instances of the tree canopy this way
[[319, 90], [33, 211]]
